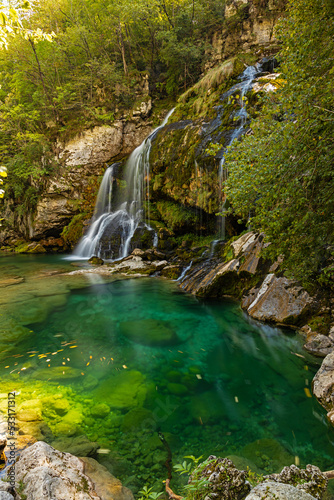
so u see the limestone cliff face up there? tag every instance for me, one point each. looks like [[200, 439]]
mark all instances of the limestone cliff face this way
[[81, 164], [83, 161], [249, 27]]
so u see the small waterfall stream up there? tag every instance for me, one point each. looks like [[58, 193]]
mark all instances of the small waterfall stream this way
[[247, 79], [120, 222]]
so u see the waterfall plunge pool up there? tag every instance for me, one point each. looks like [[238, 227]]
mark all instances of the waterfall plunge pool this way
[[118, 361]]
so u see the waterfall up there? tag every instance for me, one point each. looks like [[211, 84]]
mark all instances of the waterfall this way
[[247, 78], [113, 227]]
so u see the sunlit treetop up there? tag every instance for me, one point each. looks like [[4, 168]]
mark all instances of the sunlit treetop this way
[[12, 13]]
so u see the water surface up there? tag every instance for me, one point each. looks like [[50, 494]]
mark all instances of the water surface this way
[[117, 362]]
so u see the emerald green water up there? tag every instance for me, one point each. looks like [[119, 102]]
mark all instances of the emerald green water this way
[[128, 358]]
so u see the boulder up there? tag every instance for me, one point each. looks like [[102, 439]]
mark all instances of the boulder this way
[[310, 480], [323, 384], [225, 482], [106, 485], [319, 345], [96, 261], [47, 473], [270, 490], [280, 300]]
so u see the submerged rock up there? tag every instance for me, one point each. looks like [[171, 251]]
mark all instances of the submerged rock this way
[[124, 390], [80, 446], [149, 332]]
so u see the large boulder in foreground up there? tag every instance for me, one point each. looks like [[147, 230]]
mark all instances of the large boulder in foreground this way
[[277, 491], [50, 474]]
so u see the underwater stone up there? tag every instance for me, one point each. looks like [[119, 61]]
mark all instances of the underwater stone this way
[[272, 449], [138, 418], [80, 446], [124, 390], [89, 382], [177, 389], [101, 410], [106, 485], [149, 332], [57, 373]]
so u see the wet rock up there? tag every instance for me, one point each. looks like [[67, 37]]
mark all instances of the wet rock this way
[[96, 261], [319, 345], [137, 252], [105, 484], [35, 248], [47, 473], [323, 384], [280, 300], [149, 332], [171, 272], [225, 481], [277, 491], [310, 480]]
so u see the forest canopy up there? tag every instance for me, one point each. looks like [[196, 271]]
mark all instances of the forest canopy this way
[[281, 176]]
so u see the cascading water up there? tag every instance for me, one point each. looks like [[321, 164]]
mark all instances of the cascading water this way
[[247, 79], [112, 228]]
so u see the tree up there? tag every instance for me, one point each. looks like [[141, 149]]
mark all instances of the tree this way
[[282, 175]]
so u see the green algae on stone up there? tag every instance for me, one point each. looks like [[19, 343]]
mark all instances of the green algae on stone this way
[[57, 373], [149, 332], [136, 419], [123, 390], [100, 410], [268, 454]]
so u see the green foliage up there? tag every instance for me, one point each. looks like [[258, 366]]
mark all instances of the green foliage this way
[[282, 175], [148, 494], [177, 217], [197, 487], [73, 232], [253, 477]]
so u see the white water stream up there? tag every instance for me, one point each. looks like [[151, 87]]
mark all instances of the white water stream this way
[[247, 79]]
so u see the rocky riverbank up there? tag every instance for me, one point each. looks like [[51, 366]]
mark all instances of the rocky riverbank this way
[[43, 473]]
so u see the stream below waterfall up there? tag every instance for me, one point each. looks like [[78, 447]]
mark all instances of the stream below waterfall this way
[[118, 360]]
